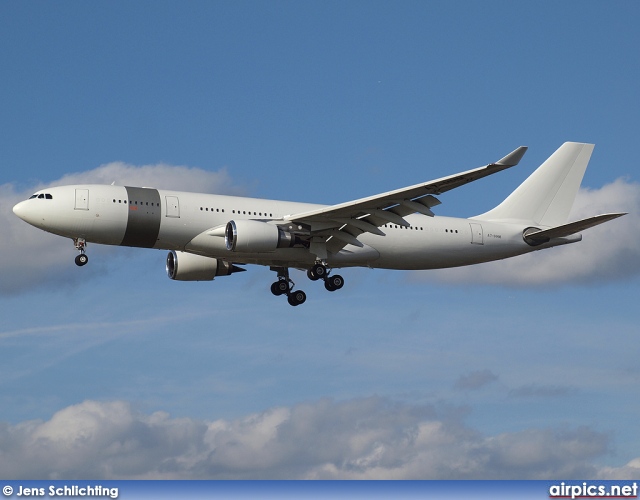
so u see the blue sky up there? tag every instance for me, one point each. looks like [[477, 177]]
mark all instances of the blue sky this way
[[526, 368]]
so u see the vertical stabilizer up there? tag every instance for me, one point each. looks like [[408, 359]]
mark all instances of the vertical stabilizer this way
[[545, 198]]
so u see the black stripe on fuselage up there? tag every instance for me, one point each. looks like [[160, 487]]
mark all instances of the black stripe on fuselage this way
[[143, 221]]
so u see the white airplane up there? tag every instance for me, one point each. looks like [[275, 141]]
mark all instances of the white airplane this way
[[210, 235]]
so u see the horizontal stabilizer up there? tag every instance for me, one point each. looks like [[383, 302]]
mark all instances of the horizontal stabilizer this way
[[569, 229]]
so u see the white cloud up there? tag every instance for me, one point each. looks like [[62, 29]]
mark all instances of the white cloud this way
[[32, 258], [607, 252], [371, 438], [628, 471], [161, 176]]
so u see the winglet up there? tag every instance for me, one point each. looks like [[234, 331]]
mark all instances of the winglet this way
[[513, 158]]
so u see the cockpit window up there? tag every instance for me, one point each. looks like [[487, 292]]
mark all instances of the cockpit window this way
[[33, 196], [48, 196], [41, 196]]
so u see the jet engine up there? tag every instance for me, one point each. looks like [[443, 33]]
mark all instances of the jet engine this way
[[254, 236], [182, 266]]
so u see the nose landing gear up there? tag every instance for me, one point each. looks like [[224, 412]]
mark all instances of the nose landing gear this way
[[80, 245]]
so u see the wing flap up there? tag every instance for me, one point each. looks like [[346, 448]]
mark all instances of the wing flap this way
[[389, 216], [346, 237], [362, 225]]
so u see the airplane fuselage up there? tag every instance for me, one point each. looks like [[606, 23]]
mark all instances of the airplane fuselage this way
[[172, 220]]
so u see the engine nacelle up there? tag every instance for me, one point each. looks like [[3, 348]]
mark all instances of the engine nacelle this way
[[254, 236], [182, 266]]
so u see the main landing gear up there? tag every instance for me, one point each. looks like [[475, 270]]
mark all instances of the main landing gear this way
[[285, 285], [80, 245], [319, 271]]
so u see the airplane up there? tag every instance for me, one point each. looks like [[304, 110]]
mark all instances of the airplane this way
[[211, 235]]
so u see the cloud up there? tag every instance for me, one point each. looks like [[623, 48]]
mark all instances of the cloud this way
[[608, 252], [628, 471], [371, 438], [475, 380], [33, 258], [160, 176], [541, 391]]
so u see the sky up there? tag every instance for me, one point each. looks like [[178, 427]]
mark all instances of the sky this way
[[519, 369]]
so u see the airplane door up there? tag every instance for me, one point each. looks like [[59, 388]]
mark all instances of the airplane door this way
[[477, 236], [82, 199], [173, 206]]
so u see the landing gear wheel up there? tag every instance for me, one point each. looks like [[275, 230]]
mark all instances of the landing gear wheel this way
[[279, 288], [296, 298], [319, 270], [81, 259], [333, 283], [312, 276]]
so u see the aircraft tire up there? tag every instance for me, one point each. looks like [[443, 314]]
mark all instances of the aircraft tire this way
[[333, 283], [319, 270], [296, 298], [279, 288]]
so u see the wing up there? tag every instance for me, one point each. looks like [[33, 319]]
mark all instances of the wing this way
[[346, 221]]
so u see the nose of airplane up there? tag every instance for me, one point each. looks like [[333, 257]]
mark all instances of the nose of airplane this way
[[19, 210], [27, 213]]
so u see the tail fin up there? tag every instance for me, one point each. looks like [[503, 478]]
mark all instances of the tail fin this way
[[546, 196]]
